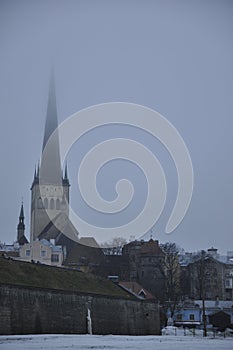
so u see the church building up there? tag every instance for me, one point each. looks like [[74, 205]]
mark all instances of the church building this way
[[50, 197]]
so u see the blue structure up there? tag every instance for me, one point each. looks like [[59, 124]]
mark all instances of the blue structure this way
[[190, 314]]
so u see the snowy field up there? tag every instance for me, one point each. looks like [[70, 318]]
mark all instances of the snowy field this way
[[85, 342]]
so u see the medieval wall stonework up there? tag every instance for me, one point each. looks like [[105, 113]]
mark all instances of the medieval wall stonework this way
[[26, 310]]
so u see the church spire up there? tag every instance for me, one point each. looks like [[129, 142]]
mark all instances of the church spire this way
[[65, 179], [52, 162], [65, 175], [21, 239], [21, 215], [38, 170], [51, 117]]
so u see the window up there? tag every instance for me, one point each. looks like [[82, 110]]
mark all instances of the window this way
[[55, 258], [191, 317], [28, 252], [228, 283], [39, 203], [46, 203], [58, 205], [52, 203], [179, 317], [43, 253]]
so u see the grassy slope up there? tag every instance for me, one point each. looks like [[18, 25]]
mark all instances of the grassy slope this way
[[21, 273]]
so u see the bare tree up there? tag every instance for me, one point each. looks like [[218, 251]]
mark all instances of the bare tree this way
[[114, 246], [172, 273], [200, 265]]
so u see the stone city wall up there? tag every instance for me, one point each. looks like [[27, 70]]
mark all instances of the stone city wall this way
[[28, 310]]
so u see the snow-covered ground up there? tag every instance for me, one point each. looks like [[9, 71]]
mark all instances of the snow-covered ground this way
[[109, 342]]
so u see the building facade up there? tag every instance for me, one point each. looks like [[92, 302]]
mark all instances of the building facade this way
[[209, 277], [43, 252]]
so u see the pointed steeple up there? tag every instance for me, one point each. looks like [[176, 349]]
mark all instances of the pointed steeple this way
[[36, 176], [21, 215], [21, 239], [65, 175], [52, 163], [51, 117], [38, 170], [65, 179]]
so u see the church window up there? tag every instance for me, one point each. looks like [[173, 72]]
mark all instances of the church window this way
[[52, 203], [39, 203], [46, 203], [58, 206]]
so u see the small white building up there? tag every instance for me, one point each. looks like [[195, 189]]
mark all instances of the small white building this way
[[42, 251], [9, 250]]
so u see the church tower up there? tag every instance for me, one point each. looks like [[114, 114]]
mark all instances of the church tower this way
[[52, 194], [21, 239]]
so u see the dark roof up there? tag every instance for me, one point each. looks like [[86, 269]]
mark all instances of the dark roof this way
[[22, 240], [220, 319], [137, 289], [84, 255], [206, 259], [21, 215], [61, 224], [152, 247]]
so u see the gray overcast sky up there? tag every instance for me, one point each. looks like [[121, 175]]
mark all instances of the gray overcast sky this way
[[173, 56]]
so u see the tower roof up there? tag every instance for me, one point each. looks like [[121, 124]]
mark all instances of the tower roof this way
[[51, 167], [21, 215], [21, 239], [65, 179], [51, 117]]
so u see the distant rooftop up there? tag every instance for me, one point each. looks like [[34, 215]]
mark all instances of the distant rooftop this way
[[187, 258]]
